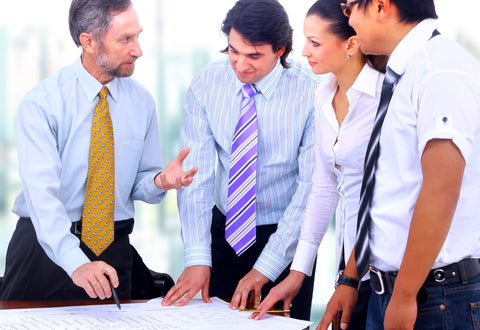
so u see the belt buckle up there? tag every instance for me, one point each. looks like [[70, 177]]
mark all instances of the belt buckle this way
[[378, 274], [439, 275]]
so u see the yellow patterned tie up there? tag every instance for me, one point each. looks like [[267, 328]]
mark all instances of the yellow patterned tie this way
[[97, 216]]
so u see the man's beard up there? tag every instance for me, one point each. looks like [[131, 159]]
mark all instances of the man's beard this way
[[103, 62]]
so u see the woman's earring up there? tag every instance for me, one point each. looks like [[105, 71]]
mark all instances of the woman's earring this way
[[348, 57]]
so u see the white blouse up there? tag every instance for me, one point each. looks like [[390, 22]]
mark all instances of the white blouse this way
[[339, 157]]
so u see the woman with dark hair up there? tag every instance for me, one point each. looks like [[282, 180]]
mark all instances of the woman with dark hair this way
[[345, 108]]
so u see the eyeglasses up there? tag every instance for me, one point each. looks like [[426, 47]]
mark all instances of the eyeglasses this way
[[346, 7]]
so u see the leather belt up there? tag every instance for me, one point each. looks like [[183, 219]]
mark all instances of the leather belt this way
[[460, 272], [122, 228]]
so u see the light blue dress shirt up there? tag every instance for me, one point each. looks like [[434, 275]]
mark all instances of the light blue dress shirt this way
[[53, 137], [285, 157]]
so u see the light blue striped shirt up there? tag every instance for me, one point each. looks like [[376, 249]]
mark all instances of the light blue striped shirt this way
[[53, 137], [285, 157]]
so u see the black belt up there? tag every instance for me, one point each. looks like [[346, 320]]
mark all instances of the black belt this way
[[460, 272], [122, 228]]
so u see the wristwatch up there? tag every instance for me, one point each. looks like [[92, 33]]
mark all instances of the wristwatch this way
[[346, 280]]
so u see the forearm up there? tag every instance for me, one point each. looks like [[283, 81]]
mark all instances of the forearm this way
[[429, 228], [351, 267], [314, 226], [432, 215], [149, 166], [278, 253], [147, 191], [196, 201], [52, 227], [280, 249], [196, 219]]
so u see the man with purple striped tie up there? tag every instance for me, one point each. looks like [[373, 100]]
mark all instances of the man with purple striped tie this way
[[240, 224], [251, 116]]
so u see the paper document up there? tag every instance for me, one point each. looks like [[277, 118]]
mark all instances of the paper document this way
[[151, 315]]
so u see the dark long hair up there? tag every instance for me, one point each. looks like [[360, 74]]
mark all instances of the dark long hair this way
[[331, 11]]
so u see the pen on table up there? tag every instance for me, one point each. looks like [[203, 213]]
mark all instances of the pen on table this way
[[114, 293], [270, 311]]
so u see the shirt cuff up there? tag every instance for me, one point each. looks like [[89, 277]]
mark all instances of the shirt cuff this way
[[304, 258], [150, 192], [443, 129], [271, 265], [74, 259], [152, 187], [197, 255]]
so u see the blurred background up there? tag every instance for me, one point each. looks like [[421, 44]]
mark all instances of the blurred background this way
[[179, 38]]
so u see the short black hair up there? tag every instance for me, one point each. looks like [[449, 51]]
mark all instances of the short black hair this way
[[412, 11], [261, 22]]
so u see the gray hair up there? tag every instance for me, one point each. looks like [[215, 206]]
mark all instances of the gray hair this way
[[93, 16]]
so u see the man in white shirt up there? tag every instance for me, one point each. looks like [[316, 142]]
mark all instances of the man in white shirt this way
[[423, 237]]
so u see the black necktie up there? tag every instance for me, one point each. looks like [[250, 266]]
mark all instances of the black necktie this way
[[362, 249]]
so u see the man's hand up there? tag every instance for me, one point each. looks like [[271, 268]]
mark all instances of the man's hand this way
[[400, 313], [343, 300], [192, 280], [285, 291], [91, 277], [172, 176], [253, 281]]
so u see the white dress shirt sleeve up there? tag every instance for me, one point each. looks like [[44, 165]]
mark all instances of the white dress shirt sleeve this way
[[40, 169], [150, 164], [449, 114], [280, 249], [196, 201], [319, 211]]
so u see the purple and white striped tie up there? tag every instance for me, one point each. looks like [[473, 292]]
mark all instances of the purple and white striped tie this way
[[240, 227]]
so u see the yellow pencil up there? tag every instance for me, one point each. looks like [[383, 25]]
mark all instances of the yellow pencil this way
[[270, 311]]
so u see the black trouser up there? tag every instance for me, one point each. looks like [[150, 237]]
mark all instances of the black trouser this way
[[31, 275], [228, 268]]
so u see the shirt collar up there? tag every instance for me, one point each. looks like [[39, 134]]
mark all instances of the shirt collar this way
[[366, 81], [327, 88], [267, 84], [410, 44], [92, 86]]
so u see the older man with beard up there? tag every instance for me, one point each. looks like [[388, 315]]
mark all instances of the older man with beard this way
[[88, 146]]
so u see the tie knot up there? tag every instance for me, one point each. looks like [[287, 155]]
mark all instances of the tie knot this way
[[249, 90], [103, 92]]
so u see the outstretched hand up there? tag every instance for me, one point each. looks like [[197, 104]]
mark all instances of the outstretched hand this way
[[172, 176], [192, 280], [285, 291], [252, 282], [343, 300]]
